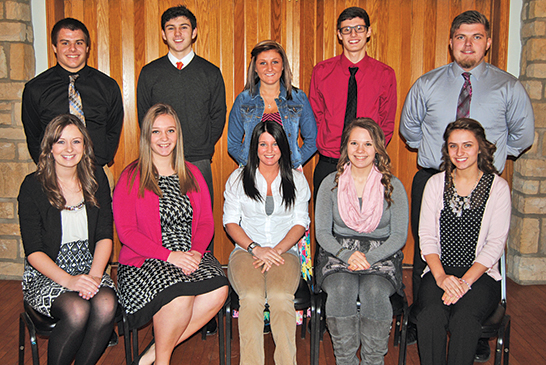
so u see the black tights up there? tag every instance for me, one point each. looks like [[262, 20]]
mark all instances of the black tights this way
[[83, 329]]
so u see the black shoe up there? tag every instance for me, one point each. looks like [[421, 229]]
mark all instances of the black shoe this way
[[113, 339], [483, 351], [411, 334], [212, 327]]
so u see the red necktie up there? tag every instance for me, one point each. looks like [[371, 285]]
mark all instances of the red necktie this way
[[179, 65]]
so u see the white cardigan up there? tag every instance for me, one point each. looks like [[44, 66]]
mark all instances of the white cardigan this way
[[494, 227]]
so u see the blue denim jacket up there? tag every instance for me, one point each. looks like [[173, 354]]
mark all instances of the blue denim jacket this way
[[295, 114]]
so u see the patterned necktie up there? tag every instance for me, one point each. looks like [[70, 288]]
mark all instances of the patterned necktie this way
[[179, 65], [74, 99], [463, 106], [350, 111]]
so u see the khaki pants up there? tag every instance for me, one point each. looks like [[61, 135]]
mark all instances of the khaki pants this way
[[278, 285]]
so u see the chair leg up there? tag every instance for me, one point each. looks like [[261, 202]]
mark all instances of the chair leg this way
[[21, 340], [221, 333], [403, 338], [229, 330], [397, 323], [33, 339], [127, 335], [507, 340]]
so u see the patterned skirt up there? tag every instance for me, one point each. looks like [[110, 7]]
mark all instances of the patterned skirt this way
[[144, 290], [40, 291]]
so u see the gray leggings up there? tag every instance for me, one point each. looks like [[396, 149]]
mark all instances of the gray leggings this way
[[343, 289]]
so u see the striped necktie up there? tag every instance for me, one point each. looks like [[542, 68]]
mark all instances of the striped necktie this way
[[74, 99], [463, 105], [179, 65]]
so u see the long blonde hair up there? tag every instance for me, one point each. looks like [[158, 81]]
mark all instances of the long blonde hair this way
[[144, 164], [85, 170]]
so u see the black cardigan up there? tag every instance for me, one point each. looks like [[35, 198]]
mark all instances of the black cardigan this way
[[40, 222]]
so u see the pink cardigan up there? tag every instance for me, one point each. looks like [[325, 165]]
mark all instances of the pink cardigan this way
[[493, 231], [138, 223]]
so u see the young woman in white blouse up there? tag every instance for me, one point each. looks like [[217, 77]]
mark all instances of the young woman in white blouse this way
[[265, 213]]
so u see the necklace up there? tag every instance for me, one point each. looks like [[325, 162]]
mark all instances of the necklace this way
[[267, 100], [459, 203], [75, 207]]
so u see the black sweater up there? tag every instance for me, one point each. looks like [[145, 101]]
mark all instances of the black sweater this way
[[197, 94], [40, 222]]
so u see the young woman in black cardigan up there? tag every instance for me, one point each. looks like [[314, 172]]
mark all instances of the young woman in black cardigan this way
[[65, 217]]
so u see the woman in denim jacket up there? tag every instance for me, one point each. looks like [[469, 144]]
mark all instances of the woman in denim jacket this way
[[269, 95]]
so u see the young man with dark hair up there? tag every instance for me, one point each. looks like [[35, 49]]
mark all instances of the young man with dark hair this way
[[348, 86], [98, 97], [467, 87], [193, 86]]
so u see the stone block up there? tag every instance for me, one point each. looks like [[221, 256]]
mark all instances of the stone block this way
[[3, 63], [533, 88], [12, 133], [11, 270], [536, 70], [537, 9], [8, 249], [5, 119], [11, 177], [11, 90], [7, 210], [17, 113], [22, 152], [530, 167], [539, 109], [21, 61], [524, 234], [529, 205], [527, 270], [30, 34], [536, 49], [13, 32], [543, 188], [17, 11], [7, 151], [536, 28], [9, 229], [5, 106], [529, 187]]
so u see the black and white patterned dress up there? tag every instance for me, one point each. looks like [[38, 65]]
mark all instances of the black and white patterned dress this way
[[74, 257], [144, 290], [460, 223]]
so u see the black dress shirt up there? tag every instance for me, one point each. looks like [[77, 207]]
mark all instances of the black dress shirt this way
[[46, 96]]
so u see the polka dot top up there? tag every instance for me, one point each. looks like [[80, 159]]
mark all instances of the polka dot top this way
[[460, 223]]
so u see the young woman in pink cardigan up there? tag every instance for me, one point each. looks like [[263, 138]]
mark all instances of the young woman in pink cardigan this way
[[164, 220], [465, 217]]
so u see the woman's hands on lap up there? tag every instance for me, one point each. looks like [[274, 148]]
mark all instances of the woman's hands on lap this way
[[358, 262], [187, 261], [86, 285], [454, 288], [267, 257]]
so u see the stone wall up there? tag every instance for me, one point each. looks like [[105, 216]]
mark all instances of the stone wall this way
[[527, 242], [16, 67]]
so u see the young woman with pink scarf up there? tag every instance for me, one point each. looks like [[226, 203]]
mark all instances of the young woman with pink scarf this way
[[361, 222]]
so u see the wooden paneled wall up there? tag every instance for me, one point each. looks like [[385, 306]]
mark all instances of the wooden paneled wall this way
[[411, 36]]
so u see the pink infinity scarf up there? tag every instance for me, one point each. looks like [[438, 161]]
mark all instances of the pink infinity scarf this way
[[367, 219]]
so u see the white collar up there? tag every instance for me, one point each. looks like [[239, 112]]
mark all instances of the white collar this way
[[185, 60]]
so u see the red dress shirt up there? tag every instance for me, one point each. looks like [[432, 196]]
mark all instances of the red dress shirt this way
[[328, 97]]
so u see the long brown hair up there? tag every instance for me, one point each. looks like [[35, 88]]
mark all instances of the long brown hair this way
[[144, 164], [382, 160], [486, 152], [85, 170]]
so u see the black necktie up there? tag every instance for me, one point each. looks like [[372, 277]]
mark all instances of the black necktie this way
[[350, 111]]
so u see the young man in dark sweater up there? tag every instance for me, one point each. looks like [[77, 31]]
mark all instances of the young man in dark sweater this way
[[193, 86]]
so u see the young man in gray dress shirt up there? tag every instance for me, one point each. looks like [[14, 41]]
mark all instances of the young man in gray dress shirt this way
[[498, 101]]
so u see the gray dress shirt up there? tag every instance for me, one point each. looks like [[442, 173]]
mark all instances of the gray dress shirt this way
[[499, 102]]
